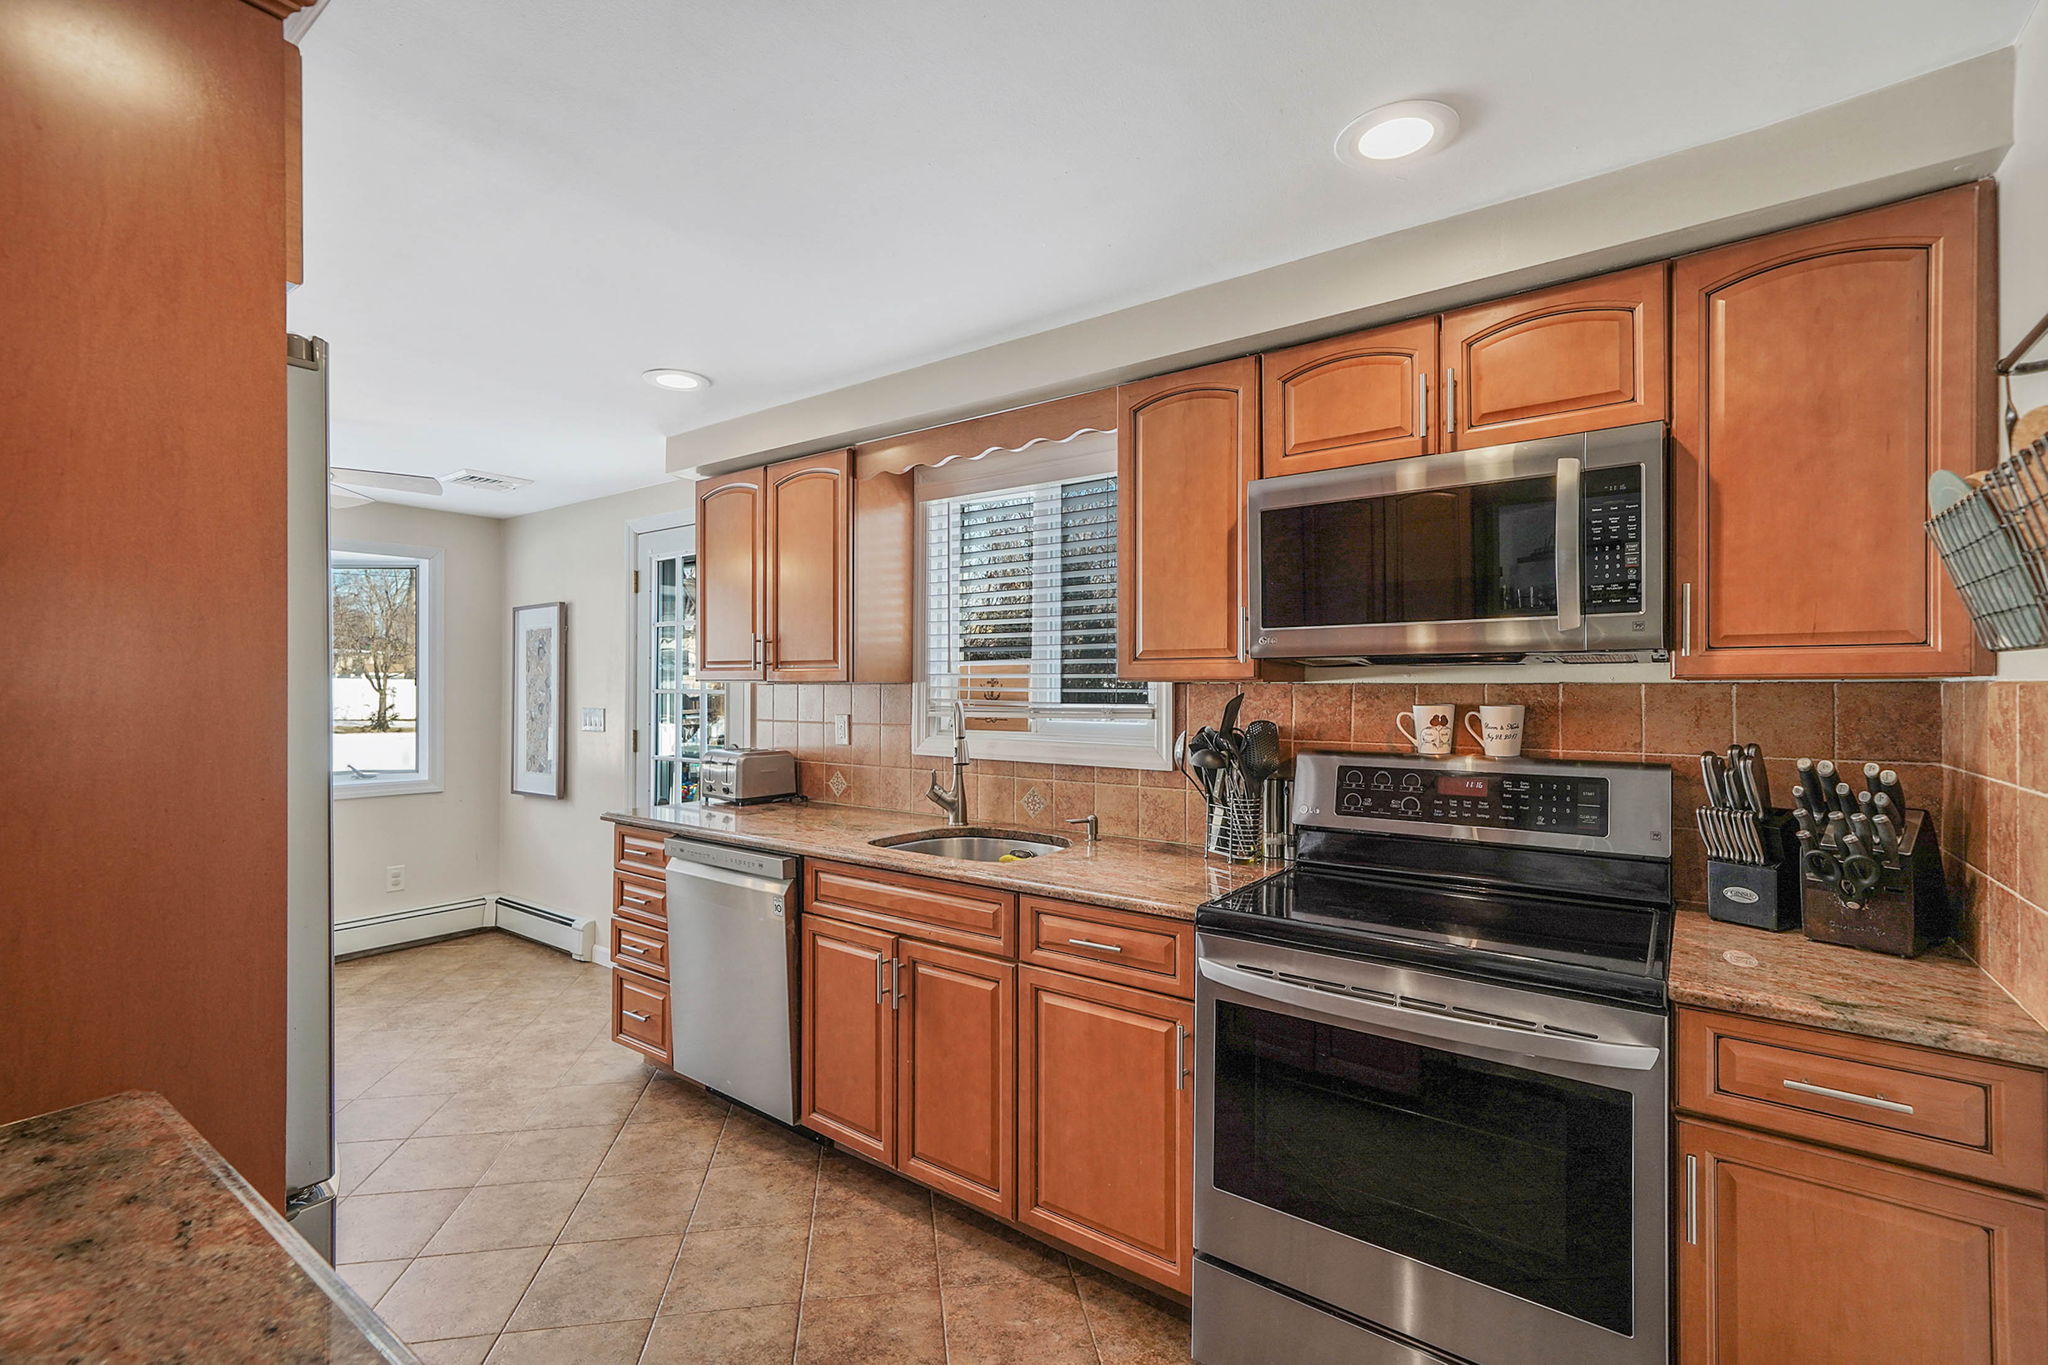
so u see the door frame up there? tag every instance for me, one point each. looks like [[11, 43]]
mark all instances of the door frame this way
[[640, 543]]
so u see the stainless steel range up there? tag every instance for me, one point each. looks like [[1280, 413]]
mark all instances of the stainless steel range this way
[[1431, 1078]]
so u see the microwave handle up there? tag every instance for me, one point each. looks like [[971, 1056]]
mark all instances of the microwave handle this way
[[1569, 516]]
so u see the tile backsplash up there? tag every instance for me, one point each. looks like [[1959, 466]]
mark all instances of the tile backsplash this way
[[1994, 834]]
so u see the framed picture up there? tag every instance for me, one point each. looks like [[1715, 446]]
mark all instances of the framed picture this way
[[540, 702]]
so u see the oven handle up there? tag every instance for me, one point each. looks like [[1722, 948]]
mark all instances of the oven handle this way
[[1569, 578], [1429, 1024]]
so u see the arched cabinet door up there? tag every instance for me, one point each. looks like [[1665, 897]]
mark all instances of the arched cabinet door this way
[[1349, 400], [1576, 357], [731, 554], [809, 563], [1187, 444]]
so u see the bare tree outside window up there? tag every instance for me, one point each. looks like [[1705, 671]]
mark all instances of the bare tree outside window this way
[[376, 638]]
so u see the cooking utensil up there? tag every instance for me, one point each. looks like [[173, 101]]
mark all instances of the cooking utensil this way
[[1759, 777], [1260, 758], [1888, 782], [1710, 777], [1229, 727], [1870, 778]]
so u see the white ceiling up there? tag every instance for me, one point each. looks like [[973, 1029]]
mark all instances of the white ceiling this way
[[513, 207]]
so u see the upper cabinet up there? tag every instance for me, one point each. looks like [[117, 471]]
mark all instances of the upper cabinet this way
[[1577, 357], [1349, 400], [731, 549], [809, 566], [1819, 376]]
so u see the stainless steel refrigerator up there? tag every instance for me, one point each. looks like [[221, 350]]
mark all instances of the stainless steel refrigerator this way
[[309, 1164]]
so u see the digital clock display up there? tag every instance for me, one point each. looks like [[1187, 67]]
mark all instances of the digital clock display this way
[[1451, 784]]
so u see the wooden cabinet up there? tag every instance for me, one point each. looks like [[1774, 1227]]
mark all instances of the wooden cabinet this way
[[1818, 377], [930, 907], [1348, 400], [1187, 444], [956, 1078], [848, 1068], [1789, 1253], [640, 1015], [809, 564], [732, 534], [1114, 945], [1576, 357], [1105, 1121]]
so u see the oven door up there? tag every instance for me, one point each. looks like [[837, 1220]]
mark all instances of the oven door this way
[[1475, 1167]]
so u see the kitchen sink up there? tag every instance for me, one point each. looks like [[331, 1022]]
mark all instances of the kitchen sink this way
[[974, 843]]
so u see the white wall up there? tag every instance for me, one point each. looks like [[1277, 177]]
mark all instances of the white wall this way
[[2023, 249], [447, 841], [557, 854]]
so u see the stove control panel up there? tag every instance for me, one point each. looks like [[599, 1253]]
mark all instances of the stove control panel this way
[[1493, 800]]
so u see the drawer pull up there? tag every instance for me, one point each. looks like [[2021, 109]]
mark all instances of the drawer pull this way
[[629, 948], [635, 1014], [1091, 943], [1809, 1088]]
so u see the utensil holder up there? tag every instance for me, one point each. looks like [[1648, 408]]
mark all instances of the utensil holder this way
[[1994, 544], [1761, 897], [1236, 825], [1906, 912]]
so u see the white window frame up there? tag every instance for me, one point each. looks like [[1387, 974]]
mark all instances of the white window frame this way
[[431, 692], [1088, 455], [643, 546]]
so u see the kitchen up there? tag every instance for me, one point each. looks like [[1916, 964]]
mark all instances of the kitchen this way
[[1274, 816]]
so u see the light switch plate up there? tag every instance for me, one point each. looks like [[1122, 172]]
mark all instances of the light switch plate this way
[[593, 718], [842, 729]]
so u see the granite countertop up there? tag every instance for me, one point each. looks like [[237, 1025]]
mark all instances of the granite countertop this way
[[1153, 879], [1940, 999], [125, 1237]]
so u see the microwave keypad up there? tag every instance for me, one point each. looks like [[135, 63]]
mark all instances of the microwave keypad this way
[[1613, 550], [1554, 805]]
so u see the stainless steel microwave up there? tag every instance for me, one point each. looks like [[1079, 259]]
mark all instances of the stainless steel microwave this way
[[1540, 551]]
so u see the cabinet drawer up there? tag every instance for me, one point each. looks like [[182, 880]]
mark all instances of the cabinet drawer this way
[[641, 899], [942, 912], [639, 850], [1111, 945], [640, 1014], [641, 947], [1960, 1115]]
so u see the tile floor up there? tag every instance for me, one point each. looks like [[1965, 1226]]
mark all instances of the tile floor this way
[[518, 1189]]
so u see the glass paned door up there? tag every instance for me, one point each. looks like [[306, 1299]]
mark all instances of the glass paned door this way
[[679, 716]]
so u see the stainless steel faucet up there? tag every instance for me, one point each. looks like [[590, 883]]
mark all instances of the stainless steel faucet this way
[[954, 802]]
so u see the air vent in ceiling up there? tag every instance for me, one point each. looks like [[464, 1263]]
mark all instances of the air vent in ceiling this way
[[478, 478]]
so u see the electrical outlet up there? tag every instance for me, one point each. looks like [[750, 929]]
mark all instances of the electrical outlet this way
[[394, 878], [842, 729], [593, 718]]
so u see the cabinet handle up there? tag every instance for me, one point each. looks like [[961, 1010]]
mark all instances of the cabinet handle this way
[[1091, 943], [1422, 403], [629, 948], [1450, 401], [635, 1014], [879, 959], [1180, 1057], [1692, 1200], [1685, 619], [896, 987], [759, 658], [1874, 1101]]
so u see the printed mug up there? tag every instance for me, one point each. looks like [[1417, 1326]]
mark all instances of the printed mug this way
[[1428, 727], [1499, 731]]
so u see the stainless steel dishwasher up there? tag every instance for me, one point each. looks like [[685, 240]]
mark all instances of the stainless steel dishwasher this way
[[731, 925]]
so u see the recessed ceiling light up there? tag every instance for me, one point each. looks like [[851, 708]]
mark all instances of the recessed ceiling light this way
[[676, 379], [1397, 130]]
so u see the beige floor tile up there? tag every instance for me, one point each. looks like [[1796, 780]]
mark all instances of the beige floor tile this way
[[381, 1120], [494, 1216], [1132, 1327], [380, 1227], [669, 1098], [633, 1206], [453, 1350], [458, 1296], [738, 1268], [736, 1196], [417, 1076], [887, 1329], [494, 1111], [606, 1061], [656, 1148], [578, 1106], [355, 1160], [856, 1257], [549, 1154], [978, 1250], [851, 1188], [1022, 1322], [749, 1141], [603, 1343], [764, 1335], [583, 1282], [435, 1163], [371, 1278]]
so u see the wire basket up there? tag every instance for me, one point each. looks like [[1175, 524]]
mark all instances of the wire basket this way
[[1994, 543], [1237, 825]]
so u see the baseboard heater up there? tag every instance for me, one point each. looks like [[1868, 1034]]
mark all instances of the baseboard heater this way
[[374, 932], [574, 935]]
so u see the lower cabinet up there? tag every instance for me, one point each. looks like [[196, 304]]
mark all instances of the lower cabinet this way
[[1790, 1253], [849, 1037], [1105, 1121], [640, 1014]]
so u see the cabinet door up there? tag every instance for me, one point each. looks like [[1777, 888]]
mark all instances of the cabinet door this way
[[1348, 400], [731, 546], [1187, 444], [1790, 1253], [849, 1037], [1576, 357], [1819, 376], [1105, 1121], [810, 524], [956, 1074]]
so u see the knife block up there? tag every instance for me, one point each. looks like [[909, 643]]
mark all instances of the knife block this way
[[1764, 897], [1909, 910]]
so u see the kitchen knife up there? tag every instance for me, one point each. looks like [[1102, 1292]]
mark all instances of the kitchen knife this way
[[1887, 834], [1870, 780], [1845, 800], [1809, 785], [1889, 784], [1710, 777], [1738, 787], [1759, 777]]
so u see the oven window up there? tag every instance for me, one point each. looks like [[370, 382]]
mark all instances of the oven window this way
[[1505, 1176], [1480, 552]]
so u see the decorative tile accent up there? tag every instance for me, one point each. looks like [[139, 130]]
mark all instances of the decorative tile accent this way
[[837, 784], [1033, 802]]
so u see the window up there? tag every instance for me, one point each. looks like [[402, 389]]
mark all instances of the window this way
[[680, 717], [1020, 616], [383, 693]]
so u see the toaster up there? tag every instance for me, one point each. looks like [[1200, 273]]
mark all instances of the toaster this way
[[738, 776]]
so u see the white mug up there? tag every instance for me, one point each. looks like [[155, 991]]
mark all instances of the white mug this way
[[1428, 727], [1499, 731]]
